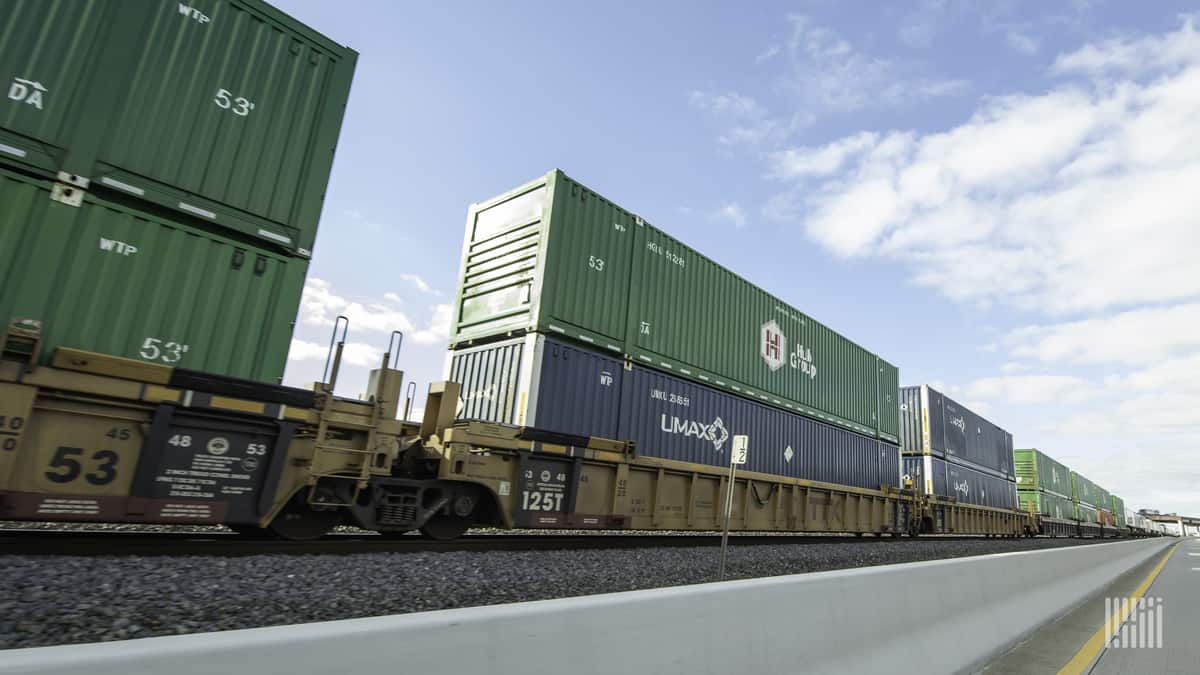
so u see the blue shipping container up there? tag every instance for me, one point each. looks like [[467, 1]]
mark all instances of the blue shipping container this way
[[542, 382], [934, 424], [952, 479]]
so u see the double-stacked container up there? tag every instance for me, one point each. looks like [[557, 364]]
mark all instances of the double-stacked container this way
[[1120, 519], [162, 171], [954, 452], [688, 353], [1086, 495], [1043, 484]]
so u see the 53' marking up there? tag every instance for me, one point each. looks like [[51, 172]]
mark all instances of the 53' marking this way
[[66, 466]]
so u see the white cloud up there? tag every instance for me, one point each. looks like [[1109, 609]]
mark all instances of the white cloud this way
[[417, 283], [729, 212], [320, 306], [828, 71], [821, 72], [1077, 199], [734, 214], [438, 328], [1021, 42], [822, 161], [1030, 389], [1177, 374], [1134, 54], [744, 120], [1134, 337], [354, 353]]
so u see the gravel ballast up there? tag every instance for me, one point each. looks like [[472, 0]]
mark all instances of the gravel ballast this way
[[53, 600]]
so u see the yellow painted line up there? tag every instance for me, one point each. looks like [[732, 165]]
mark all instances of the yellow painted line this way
[[1095, 644], [156, 393], [292, 414], [237, 404]]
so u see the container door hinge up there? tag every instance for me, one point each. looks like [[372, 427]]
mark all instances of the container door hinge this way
[[69, 189]]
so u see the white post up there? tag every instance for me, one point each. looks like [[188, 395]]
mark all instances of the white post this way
[[737, 455]]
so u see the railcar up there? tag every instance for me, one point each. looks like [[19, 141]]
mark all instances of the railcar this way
[[94, 437]]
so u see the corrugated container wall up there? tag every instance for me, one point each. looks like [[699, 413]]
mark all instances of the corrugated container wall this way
[[939, 426], [1038, 471], [1046, 503], [1083, 490], [108, 278], [950, 479], [1118, 511], [557, 258], [1085, 513], [556, 386], [226, 111]]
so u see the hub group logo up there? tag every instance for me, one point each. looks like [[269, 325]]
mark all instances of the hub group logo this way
[[773, 348], [774, 345]]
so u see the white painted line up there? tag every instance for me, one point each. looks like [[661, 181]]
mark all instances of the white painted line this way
[[11, 150], [197, 210], [277, 237], [111, 182]]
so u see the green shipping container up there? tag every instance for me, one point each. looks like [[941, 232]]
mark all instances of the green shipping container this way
[[109, 278], [1103, 500], [1038, 471], [1046, 503], [226, 110], [552, 256], [1118, 511], [1085, 513], [1084, 491]]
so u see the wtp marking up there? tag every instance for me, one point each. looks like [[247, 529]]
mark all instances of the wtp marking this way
[[1143, 627]]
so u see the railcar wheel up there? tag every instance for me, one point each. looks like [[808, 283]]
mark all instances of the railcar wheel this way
[[298, 521], [445, 528]]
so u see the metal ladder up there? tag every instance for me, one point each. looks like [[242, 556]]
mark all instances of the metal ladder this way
[[329, 461]]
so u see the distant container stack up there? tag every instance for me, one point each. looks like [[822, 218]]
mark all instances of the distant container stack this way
[[956, 452], [1086, 495], [576, 316], [163, 167], [1043, 484], [1120, 519]]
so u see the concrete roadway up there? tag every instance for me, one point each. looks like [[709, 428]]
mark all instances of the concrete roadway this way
[[1078, 642]]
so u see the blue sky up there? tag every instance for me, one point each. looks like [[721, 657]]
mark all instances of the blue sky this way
[[999, 197]]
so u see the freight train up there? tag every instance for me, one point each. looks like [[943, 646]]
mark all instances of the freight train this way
[[579, 391]]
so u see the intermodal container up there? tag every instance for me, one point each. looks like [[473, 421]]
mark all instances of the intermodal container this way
[[1103, 502], [935, 424], [1046, 503], [1038, 471], [1085, 513], [950, 479], [1118, 511], [1084, 491], [105, 277], [555, 257], [225, 111], [558, 386]]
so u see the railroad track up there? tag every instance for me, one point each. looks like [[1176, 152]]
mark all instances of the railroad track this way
[[93, 543]]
